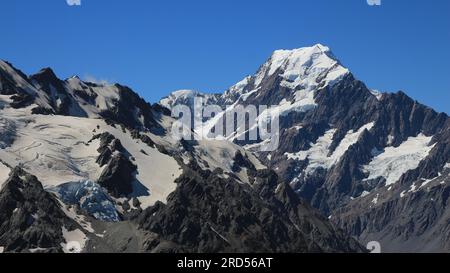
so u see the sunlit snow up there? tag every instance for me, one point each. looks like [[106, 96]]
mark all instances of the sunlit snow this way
[[318, 154], [393, 162]]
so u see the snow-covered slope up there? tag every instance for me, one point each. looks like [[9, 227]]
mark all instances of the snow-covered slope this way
[[46, 94], [49, 145], [301, 72], [220, 154], [319, 156], [156, 171], [306, 67], [393, 162], [103, 96], [57, 150], [62, 149], [186, 97]]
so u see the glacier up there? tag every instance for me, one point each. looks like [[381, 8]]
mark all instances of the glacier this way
[[90, 197]]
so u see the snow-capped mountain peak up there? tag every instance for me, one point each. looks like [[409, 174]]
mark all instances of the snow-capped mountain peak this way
[[303, 69], [46, 71], [307, 67]]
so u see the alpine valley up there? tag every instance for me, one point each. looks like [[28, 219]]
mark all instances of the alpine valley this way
[[90, 167]]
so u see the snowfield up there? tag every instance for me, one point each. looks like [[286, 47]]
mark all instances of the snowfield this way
[[318, 153], [157, 172], [393, 162], [303, 66], [56, 150], [220, 154], [210, 153]]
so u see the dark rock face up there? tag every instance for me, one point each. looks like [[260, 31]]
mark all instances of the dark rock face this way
[[119, 173], [7, 82], [71, 99], [21, 100], [124, 110], [8, 133], [240, 161], [144, 138], [401, 220], [414, 215], [47, 79], [396, 116], [8, 88], [118, 176], [60, 99], [30, 217], [42, 111], [348, 105], [210, 214], [108, 145]]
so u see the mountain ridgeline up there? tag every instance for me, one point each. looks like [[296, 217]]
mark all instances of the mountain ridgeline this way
[[94, 168], [361, 157]]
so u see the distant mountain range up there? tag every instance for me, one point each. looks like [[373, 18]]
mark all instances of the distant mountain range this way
[[94, 168]]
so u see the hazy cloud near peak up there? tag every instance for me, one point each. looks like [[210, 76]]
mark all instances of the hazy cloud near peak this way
[[92, 79], [73, 2]]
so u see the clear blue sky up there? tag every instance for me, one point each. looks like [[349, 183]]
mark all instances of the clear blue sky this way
[[160, 46]]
